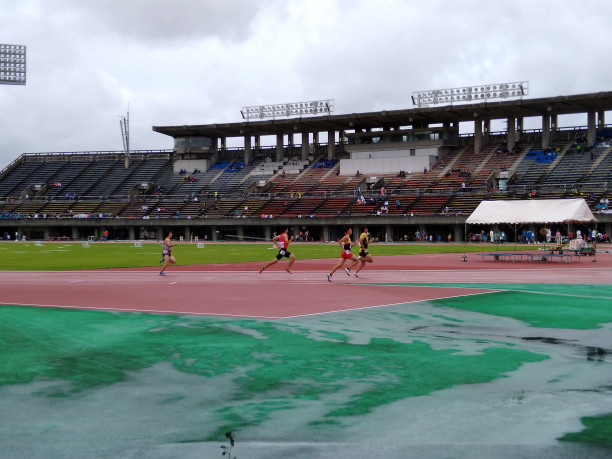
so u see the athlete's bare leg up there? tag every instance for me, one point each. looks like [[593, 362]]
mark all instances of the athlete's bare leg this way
[[267, 265], [167, 260], [367, 259], [291, 261], [338, 266]]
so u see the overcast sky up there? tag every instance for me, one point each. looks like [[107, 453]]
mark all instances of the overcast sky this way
[[176, 62]]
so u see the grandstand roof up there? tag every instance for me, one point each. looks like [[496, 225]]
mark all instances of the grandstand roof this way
[[560, 105]]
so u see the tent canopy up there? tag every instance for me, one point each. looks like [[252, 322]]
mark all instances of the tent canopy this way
[[531, 211]]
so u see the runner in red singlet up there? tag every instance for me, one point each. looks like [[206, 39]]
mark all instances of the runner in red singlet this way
[[282, 243], [345, 254]]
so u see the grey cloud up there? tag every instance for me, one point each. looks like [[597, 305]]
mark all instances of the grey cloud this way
[[156, 22]]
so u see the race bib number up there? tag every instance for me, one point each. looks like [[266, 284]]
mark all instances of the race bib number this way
[[282, 252], [347, 251]]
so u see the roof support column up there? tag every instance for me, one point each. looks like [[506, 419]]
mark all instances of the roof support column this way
[[445, 133], [553, 127], [477, 134], [305, 145], [331, 145], [601, 121], [325, 233], [591, 130], [290, 144], [487, 132], [519, 128], [247, 149], [545, 131], [457, 232], [279, 147], [215, 151], [511, 137], [257, 145]]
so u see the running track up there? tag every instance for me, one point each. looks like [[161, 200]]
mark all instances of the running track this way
[[238, 290]]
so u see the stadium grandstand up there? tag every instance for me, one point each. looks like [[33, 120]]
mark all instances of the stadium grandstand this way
[[398, 172]]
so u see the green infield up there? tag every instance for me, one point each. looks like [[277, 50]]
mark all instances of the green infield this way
[[58, 256], [578, 307]]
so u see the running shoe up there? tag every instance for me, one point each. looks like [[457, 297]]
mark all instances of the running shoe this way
[[162, 274], [329, 277], [161, 261], [347, 271], [356, 274], [261, 269]]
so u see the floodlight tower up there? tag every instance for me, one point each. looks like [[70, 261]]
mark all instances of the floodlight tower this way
[[12, 64], [299, 109], [124, 122], [466, 94]]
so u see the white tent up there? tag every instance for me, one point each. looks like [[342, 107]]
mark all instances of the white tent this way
[[531, 211]]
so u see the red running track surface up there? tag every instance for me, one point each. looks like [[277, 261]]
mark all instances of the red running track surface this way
[[238, 290]]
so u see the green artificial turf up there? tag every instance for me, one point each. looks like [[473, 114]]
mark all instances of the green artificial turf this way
[[58, 256], [272, 366], [598, 431], [539, 305]]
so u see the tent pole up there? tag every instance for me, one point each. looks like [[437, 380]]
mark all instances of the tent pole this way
[[464, 257], [595, 244]]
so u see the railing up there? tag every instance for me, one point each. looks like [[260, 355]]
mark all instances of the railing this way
[[24, 156], [595, 188]]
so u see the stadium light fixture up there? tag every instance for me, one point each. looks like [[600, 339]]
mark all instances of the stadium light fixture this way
[[12, 64], [466, 94], [124, 122], [295, 109]]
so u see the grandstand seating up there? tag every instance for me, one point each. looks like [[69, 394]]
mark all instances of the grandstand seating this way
[[110, 184], [277, 207], [303, 207], [600, 170], [430, 204], [334, 206], [69, 184]]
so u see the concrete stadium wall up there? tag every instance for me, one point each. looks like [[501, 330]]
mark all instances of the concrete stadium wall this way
[[190, 165], [373, 165]]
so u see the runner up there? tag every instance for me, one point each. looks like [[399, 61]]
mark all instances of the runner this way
[[167, 252], [282, 243], [346, 254], [364, 256]]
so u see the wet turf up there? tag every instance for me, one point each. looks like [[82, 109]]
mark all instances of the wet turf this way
[[274, 365]]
